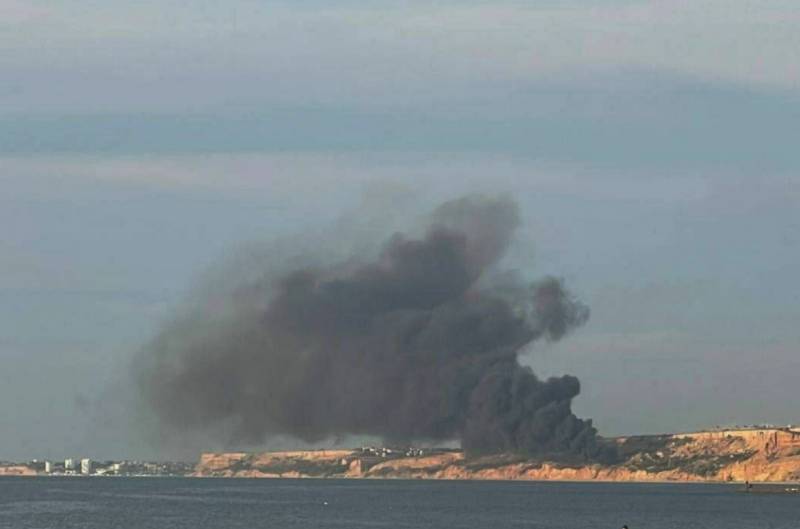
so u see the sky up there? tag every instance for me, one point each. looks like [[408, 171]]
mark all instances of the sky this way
[[651, 147]]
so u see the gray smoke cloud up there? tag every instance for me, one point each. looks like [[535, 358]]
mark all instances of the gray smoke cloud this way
[[418, 344]]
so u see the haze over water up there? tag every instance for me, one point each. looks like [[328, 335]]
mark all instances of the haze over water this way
[[166, 503]]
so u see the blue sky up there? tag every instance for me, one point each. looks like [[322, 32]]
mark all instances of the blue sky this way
[[651, 145]]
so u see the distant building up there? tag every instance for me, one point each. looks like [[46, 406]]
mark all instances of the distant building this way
[[86, 466], [69, 464], [48, 467]]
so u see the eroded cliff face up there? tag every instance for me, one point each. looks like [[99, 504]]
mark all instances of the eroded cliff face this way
[[16, 470], [275, 464], [730, 455]]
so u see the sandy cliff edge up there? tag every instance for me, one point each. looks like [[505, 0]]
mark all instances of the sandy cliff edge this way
[[755, 455]]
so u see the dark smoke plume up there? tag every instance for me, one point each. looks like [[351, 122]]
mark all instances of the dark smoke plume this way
[[417, 345]]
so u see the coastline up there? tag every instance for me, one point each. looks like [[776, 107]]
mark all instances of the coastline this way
[[765, 455], [762, 457]]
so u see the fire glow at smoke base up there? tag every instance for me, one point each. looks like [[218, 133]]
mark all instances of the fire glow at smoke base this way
[[417, 345]]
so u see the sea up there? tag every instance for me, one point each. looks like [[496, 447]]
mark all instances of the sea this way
[[186, 503]]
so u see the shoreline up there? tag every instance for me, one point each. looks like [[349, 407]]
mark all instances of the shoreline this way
[[734, 484]]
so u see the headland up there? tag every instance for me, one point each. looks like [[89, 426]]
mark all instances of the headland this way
[[755, 455]]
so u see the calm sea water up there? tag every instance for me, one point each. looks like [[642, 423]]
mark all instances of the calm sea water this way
[[166, 503]]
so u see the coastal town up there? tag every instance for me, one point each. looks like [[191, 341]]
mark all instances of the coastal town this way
[[89, 467]]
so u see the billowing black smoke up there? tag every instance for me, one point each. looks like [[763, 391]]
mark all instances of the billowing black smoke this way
[[420, 344]]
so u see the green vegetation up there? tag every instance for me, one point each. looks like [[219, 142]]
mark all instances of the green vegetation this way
[[305, 467], [659, 454], [245, 463], [705, 464]]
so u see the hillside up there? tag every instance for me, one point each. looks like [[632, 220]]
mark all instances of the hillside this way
[[16, 470], [756, 455]]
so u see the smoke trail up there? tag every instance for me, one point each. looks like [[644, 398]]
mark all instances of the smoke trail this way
[[416, 345]]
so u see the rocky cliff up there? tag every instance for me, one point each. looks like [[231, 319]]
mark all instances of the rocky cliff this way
[[754, 455], [16, 470]]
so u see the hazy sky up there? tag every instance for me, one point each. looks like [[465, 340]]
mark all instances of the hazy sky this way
[[653, 147]]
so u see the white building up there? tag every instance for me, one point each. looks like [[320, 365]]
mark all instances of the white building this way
[[69, 464], [86, 466], [48, 467]]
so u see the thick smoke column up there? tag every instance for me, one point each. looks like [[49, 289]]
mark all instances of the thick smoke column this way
[[417, 345]]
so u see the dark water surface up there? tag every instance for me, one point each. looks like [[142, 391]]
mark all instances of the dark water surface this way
[[166, 503]]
